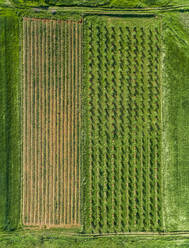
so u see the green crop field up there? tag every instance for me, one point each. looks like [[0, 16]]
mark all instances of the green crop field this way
[[94, 123], [122, 118]]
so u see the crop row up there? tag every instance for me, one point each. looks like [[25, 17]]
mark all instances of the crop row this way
[[51, 122], [122, 163]]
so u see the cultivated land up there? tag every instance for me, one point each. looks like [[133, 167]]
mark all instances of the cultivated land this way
[[104, 137], [122, 122], [51, 122]]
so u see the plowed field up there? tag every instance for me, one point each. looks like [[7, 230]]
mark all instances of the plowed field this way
[[51, 122]]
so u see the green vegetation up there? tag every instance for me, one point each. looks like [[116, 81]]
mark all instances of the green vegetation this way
[[176, 121], [53, 240], [9, 123], [122, 125], [127, 153], [103, 3], [3, 149]]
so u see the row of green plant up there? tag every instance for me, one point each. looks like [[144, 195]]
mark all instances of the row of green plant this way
[[122, 189]]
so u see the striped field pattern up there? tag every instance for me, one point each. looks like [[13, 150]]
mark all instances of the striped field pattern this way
[[51, 122], [122, 123]]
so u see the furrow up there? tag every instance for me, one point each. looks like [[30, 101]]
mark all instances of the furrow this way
[[134, 127], [142, 107], [95, 128], [99, 126], [153, 128], [61, 127], [76, 136], [145, 132], [33, 113], [148, 147], [56, 100], [118, 136], [131, 142], [124, 128], [88, 161], [53, 120], [100, 129], [72, 125], [28, 182], [90, 99], [151, 141], [58, 121], [80, 76], [138, 128], [128, 122], [158, 127], [36, 131], [25, 78], [157, 119], [51, 111], [39, 119], [113, 124], [68, 126], [65, 126], [109, 133], [47, 124], [44, 122], [103, 85]]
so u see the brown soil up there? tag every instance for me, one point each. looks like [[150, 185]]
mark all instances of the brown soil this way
[[51, 103]]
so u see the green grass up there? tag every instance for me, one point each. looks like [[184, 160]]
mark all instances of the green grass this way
[[122, 125], [3, 150], [103, 3], [53, 240], [9, 121], [176, 121]]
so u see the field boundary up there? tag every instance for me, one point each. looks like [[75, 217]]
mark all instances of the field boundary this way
[[10, 123], [67, 233]]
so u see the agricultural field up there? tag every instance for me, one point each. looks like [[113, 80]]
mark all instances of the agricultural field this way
[[122, 118], [122, 177], [94, 124], [51, 122]]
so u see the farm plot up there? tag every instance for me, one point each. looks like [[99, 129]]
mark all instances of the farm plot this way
[[122, 125], [51, 122]]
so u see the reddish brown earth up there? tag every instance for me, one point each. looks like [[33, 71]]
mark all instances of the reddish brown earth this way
[[51, 122]]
